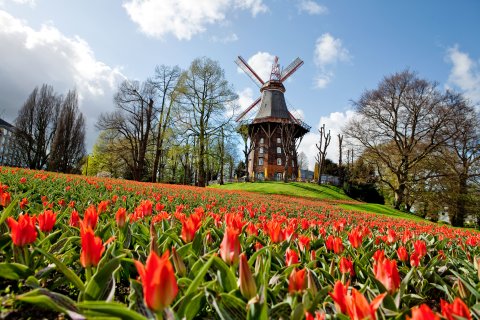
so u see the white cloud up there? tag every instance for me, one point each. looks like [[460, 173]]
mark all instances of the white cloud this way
[[32, 57], [334, 122], [245, 98], [311, 7], [185, 18], [261, 63], [227, 39], [328, 52], [255, 6], [465, 73]]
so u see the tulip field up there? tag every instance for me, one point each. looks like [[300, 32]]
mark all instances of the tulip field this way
[[84, 248]]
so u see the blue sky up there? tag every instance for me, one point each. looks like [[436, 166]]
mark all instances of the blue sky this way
[[347, 46]]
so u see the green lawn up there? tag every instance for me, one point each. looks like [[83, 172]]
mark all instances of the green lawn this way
[[297, 189], [312, 190]]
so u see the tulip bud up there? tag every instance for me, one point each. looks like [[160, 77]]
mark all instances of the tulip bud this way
[[312, 283], [178, 263], [247, 285], [462, 291]]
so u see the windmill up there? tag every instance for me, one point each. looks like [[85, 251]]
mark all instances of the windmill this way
[[274, 132]]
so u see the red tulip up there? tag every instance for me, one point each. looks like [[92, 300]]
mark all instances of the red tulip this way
[[414, 259], [338, 245], [339, 296], [386, 272], [92, 247], [247, 285], [274, 230], [190, 226], [402, 254], [23, 231], [454, 310], [297, 281], [74, 219], [46, 220], [158, 281], [420, 248], [423, 312], [304, 243], [5, 199], [291, 257], [355, 238], [90, 218], [346, 266], [230, 246], [318, 316], [23, 203], [358, 307], [121, 217]]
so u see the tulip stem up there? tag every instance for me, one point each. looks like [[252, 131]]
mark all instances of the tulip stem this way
[[159, 315], [88, 273], [26, 255]]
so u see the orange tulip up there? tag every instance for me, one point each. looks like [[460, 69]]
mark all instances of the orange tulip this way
[[386, 272], [339, 296], [297, 281], [92, 247], [358, 307], [23, 231], [74, 219], [420, 248], [247, 285], [346, 266], [423, 312], [158, 281], [90, 217], [291, 257], [189, 227], [46, 220], [355, 238], [454, 310], [121, 217], [402, 254], [230, 246]]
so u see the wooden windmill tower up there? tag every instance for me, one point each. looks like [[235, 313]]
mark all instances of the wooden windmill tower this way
[[274, 132]]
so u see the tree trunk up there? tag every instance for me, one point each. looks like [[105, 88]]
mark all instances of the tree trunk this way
[[399, 196], [201, 161], [458, 217]]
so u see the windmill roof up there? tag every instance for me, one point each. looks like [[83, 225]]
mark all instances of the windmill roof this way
[[272, 105], [5, 124]]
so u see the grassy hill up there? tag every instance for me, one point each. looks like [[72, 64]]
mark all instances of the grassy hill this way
[[314, 191]]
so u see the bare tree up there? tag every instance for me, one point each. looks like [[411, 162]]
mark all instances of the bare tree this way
[[288, 133], [167, 89], [302, 161], [249, 136], [131, 123], [400, 123], [35, 127], [341, 171], [206, 95], [462, 158], [68, 146], [322, 151]]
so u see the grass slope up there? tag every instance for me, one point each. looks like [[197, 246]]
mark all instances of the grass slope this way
[[312, 190], [297, 189]]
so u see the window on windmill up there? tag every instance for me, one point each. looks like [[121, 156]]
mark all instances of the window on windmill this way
[[279, 140], [260, 161], [261, 140], [279, 150], [293, 163], [260, 150], [279, 161]]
